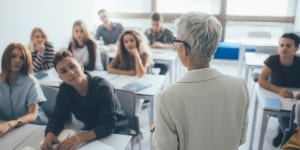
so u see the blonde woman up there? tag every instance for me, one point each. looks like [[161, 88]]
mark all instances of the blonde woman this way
[[83, 46], [41, 50]]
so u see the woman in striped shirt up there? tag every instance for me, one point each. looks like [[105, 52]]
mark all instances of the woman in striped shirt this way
[[41, 50]]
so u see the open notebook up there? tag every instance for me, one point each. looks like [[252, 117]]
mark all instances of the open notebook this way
[[93, 145], [273, 103]]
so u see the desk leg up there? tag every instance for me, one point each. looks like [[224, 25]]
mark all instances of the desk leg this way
[[253, 123], [264, 123]]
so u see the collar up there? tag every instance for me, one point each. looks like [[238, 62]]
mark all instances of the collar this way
[[200, 75]]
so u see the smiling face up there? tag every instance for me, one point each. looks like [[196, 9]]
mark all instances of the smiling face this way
[[17, 61], [38, 39], [70, 71], [287, 48]]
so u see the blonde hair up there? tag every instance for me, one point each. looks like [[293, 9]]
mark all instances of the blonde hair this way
[[87, 36]]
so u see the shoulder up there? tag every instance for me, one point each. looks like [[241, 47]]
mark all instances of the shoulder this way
[[100, 27], [166, 30], [100, 82], [117, 24]]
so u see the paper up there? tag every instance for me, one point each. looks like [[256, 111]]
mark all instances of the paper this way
[[136, 86]]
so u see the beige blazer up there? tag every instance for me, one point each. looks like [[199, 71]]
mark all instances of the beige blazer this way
[[204, 110]]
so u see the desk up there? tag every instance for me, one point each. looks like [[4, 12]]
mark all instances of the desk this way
[[16, 137], [119, 142], [247, 43], [261, 95], [163, 56], [253, 60], [119, 81]]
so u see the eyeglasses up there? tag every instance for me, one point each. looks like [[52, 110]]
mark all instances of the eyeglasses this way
[[174, 40]]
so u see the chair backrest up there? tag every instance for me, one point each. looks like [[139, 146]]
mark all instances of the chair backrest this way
[[50, 93], [266, 49], [104, 59], [129, 104], [259, 34]]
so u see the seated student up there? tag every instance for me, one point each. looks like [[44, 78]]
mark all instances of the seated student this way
[[20, 93], [41, 50], [132, 57], [83, 46], [90, 99], [109, 31], [159, 37], [283, 71]]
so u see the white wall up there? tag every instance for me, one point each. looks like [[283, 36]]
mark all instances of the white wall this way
[[56, 17], [297, 18]]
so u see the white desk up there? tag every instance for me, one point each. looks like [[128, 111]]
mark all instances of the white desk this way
[[119, 81], [163, 56], [117, 141], [253, 60], [261, 95], [16, 137], [247, 43]]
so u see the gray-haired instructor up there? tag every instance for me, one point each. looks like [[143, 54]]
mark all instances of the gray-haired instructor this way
[[204, 110]]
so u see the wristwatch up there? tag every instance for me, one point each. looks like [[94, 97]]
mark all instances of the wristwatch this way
[[19, 124]]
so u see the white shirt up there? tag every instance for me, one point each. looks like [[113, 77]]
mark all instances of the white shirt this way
[[82, 55]]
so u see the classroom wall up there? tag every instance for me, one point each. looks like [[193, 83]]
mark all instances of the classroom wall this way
[[56, 17], [297, 18]]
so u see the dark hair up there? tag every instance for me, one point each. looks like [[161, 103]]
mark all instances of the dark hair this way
[[61, 55], [156, 17], [292, 36], [6, 60]]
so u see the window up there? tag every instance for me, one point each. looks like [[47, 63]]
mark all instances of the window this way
[[183, 6], [129, 6], [282, 8], [236, 30]]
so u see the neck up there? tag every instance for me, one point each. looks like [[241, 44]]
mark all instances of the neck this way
[[286, 62], [12, 77], [82, 86], [194, 65]]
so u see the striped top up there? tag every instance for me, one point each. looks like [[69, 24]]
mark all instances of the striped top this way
[[43, 61]]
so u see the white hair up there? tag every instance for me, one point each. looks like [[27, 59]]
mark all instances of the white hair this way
[[201, 31]]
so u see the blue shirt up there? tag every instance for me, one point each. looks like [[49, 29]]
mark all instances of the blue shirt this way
[[16, 98], [109, 37]]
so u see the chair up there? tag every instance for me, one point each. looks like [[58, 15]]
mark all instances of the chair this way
[[291, 130], [104, 60], [132, 107], [50, 93]]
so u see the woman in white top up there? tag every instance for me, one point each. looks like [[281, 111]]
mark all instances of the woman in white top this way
[[83, 46]]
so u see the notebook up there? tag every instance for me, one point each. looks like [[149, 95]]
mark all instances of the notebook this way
[[273, 103], [136, 86], [40, 75]]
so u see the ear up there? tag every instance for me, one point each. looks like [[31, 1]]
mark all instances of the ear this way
[[81, 67]]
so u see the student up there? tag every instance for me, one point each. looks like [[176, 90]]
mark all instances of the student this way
[[90, 99], [204, 108], [159, 37], [41, 50], [20, 93], [132, 57], [83, 46], [283, 71], [109, 31]]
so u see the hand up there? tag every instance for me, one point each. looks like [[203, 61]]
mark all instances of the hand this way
[[156, 45], [297, 96], [134, 52], [49, 141], [152, 128], [4, 128], [71, 143], [285, 93], [40, 48]]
